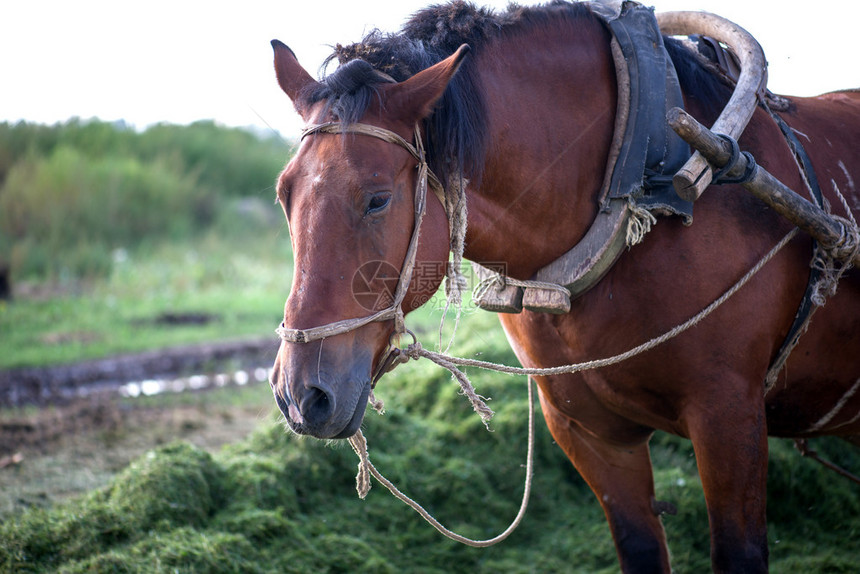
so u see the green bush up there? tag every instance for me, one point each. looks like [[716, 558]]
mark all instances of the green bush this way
[[64, 214], [73, 194], [230, 161]]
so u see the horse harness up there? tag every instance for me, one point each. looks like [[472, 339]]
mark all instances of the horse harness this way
[[643, 157]]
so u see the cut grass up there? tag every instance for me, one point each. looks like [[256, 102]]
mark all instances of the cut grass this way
[[278, 502]]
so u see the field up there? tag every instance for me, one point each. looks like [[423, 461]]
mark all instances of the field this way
[[212, 482]]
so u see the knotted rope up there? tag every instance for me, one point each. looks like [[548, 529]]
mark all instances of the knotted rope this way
[[498, 282], [366, 469], [835, 260], [415, 351], [832, 261], [639, 224]]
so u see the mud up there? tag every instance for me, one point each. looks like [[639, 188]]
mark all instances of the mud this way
[[65, 384]]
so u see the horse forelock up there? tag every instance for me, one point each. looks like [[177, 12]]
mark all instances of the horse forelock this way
[[455, 142]]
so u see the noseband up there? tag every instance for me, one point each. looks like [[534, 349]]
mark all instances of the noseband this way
[[425, 177]]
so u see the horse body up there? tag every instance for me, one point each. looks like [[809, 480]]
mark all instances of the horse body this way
[[549, 100]]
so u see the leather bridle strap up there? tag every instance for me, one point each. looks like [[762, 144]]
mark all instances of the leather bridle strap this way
[[425, 176]]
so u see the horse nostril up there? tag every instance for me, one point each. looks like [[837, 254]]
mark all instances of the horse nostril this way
[[317, 405], [282, 402], [295, 415]]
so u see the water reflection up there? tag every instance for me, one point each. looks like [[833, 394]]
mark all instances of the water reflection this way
[[150, 387]]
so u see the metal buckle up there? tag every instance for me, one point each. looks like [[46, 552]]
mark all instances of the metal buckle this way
[[392, 357]]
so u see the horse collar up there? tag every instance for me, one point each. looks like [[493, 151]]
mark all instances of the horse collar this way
[[643, 156]]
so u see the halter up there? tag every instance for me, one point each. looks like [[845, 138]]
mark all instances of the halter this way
[[394, 311]]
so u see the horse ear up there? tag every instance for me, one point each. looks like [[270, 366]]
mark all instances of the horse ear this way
[[292, 78], [413, 99]]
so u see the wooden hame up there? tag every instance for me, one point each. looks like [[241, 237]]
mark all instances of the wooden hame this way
[[832, 233]]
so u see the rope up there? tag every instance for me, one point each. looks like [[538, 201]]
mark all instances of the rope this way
[[835, 260], [442, 359], [455, 282], [832, 262], [366, 469], [425, 178], [499, 282], [416, 351], [639, 224]]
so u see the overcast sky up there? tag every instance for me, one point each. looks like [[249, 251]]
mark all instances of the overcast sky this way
[[181, 61]]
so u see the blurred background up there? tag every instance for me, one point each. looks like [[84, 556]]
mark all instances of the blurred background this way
[[139, 145], [142, 254]]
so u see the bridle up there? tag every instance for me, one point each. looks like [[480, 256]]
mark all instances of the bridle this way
[[394, 311]]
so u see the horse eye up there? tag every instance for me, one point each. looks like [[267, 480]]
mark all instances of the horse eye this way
[[378, 202]]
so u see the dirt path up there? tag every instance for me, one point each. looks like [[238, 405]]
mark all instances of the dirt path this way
[[64, 445], [57, 452]]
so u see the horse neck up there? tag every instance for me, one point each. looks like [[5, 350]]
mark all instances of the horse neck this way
[[550, 100]]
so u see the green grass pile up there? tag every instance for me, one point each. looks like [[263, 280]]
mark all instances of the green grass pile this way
[[281, 503]]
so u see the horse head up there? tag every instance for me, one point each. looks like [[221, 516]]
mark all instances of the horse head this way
[[349, 199]]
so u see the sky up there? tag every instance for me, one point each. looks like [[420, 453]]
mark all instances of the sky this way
[[184, 60]]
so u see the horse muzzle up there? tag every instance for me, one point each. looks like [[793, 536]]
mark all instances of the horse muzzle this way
[[321, 404]]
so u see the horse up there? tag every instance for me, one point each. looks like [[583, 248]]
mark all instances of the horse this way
[[517, 110]]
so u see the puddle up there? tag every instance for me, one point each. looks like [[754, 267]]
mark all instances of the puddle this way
[[178, 369], [152, 387]]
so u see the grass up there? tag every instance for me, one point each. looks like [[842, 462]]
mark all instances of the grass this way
[[278, 502], [241, 281]]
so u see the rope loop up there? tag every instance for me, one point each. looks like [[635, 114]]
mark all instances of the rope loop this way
[[366, 469], [498, 282]]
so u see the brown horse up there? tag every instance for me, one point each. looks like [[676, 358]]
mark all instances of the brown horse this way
[[527, 119]]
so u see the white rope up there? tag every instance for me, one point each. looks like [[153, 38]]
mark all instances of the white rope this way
[[639, 224], [366, 468], [833, 261], [415, 351], [440, 358]]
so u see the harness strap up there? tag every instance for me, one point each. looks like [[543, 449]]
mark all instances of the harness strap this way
[[417, 150], [806, 308]]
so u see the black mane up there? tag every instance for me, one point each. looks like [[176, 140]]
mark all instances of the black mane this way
[[697, 80], [456, 134], [456, 142]]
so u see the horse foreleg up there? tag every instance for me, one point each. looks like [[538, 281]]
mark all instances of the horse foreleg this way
[[621, 478], [732, 461]]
